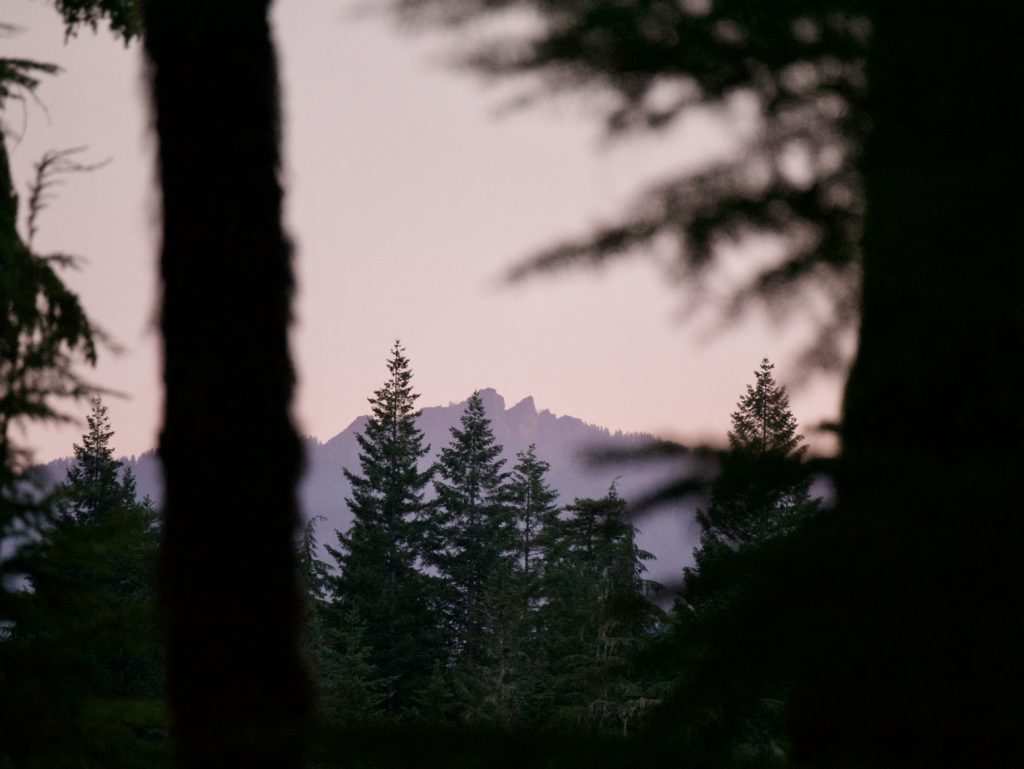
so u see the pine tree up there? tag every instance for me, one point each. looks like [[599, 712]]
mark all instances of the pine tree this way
[[83, 660], [533, 504], [762, 422], [314, 582], [763, 488], [474, 523], [760, 498], [349, 689], [596, 614], [502, 682], [96, 484], [378, 583]]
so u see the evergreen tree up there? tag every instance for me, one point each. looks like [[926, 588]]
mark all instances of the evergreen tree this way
[[762, 423], [82, 664], [763, 487], [502, 682], [758, 502], [473, 523], [44, 336], [96, 484], [496, 683], [314, 582], [596, 615], [533, 505], [349, 689], [378, 584]]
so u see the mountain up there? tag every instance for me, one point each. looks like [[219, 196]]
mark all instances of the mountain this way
[[562, 441]]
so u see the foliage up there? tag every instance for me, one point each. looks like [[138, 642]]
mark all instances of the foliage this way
[[82, 662], [45, 331], [378, 587], [759, 507], [18, 78], [473, 524], [533, 507], [94, 485], [596, 615], [762, 489], [123, 16], [44, 335], [794, 77]]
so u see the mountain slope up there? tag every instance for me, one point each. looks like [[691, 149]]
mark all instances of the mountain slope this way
[[562, 441]]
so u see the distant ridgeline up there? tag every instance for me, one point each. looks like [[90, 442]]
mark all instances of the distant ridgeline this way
[[562, 441]]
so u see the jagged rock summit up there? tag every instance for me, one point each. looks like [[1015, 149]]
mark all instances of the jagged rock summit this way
[[562, 441]]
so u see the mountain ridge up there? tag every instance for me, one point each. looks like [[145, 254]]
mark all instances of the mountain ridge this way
[[560, 440]]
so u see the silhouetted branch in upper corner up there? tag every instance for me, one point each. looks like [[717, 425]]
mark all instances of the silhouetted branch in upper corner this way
[[791, 86]]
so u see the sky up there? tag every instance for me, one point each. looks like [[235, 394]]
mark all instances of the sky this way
[[409, 193]]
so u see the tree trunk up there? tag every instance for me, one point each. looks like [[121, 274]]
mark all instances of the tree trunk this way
[[237, 689], [929, 525]]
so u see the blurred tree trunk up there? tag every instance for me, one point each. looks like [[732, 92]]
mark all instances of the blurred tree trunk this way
[[231, 456], [930, 506]]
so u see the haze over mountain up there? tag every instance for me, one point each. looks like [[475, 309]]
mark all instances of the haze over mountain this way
[[562, 441]]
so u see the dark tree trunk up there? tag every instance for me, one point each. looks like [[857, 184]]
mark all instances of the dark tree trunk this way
[[927, 664], [237, 689]]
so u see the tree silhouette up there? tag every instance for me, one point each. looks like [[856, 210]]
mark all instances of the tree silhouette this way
[[533, 506], [761, 490], [912, 583], [795, 176], [474, 521], [81, 653], [237, 690], [906, 175], [378, 581]]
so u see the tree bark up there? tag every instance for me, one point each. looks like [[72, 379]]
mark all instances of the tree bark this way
[[929, 529], [237, 689]]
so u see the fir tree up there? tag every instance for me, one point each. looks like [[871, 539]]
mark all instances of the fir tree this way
[[763, 487], [96, 484], [314, 581], [502, 682], [596, 614], [762, 422], [378, 583], [758, 501], [473, 521], [350, 691], [533, 504], [83, 660]]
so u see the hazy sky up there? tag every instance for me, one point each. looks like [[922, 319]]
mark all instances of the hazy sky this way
[[407, 198]]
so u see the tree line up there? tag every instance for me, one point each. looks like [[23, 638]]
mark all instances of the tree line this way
[[464, 594], [462, 598], [880, 634]]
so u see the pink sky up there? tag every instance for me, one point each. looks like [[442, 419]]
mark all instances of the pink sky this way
[[407, 198]]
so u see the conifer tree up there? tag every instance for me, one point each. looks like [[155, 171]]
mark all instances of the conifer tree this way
[[349, 689], [502, 682], [763, 487], [760, 498], [762, 422], [96, 483], [83, 660], [533, 505], [378, 586], [596, 615], [474, 523]]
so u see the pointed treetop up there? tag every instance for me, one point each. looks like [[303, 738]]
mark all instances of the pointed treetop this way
[[94, 487], [389, 488], [762, 422], [473, 455]]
